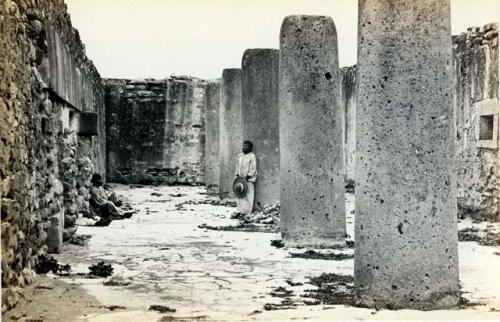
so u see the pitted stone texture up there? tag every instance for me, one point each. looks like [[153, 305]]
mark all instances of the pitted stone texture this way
[[36, 152], [230, 135], [476, 90], [212, 103], [311, 126], [406, 221], [348, 81], [260, 119]]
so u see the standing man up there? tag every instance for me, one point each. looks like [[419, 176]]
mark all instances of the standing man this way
[[246, 168]]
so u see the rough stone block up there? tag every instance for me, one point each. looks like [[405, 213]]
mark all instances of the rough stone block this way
[[55, 233]]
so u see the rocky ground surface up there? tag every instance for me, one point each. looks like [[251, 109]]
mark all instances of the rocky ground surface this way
[[172, 261]]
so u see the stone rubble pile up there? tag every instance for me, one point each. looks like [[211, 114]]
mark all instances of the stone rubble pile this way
[[269, 215]]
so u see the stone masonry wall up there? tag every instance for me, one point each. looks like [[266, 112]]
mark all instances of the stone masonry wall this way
[[475, 98], [47, 83], [476, 103], [155, 130]]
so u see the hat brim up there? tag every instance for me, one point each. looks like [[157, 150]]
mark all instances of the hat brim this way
[[240, 193]]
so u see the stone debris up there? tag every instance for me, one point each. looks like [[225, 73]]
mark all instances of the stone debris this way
[[268, 215], [161, 308], [278, 243], [285, 305], [243, 227], [312, 254], [101, 269], [483, 237], [50, 264], [113, 307], [292, 283], [333, 289], [117, 281], [80, 240], [281, 292], [212, 202]]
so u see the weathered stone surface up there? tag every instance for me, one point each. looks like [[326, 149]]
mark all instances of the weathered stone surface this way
[[475, 66], [406, 221], [348, 80], [230, 133], [55, 233], [260, 119], [475, 93], [212, 107], [39, 145], [156, 136], [311, 140]]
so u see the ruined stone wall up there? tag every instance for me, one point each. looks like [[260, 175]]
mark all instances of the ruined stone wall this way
[[475, 97], [155, 130], [476, 109], [47, 83]]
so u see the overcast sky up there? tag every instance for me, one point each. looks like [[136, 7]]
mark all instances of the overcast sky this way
[[158, 38]]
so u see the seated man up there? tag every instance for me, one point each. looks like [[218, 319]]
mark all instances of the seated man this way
[[99, 202]]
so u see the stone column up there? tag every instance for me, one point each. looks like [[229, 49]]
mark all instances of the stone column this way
[[406, 220], [230, 135], [260, 118], [311, 144], [212, 102]]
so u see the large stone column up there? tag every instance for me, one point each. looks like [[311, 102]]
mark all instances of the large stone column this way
[[406, 222], [311, 123], [260, 117], [230, 135], [212, 102]]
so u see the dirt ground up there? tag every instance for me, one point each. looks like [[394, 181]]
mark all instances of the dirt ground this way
[[49, 299], [165, 256]]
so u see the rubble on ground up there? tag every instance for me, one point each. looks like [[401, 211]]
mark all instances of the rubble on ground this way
[[269, 215], [333, 289], [161, 308], [117, 281], [241, 227], [212, 202], [101, 269], [312, 254], [278, 243], [482, 237], [80, 240], [50, 264]]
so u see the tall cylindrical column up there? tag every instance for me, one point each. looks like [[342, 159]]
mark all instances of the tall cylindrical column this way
[[311, 123], [212, 103], [260, 117], [230, 135], [406, 221]]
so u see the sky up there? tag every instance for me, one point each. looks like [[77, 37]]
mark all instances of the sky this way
[[159, 38]]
